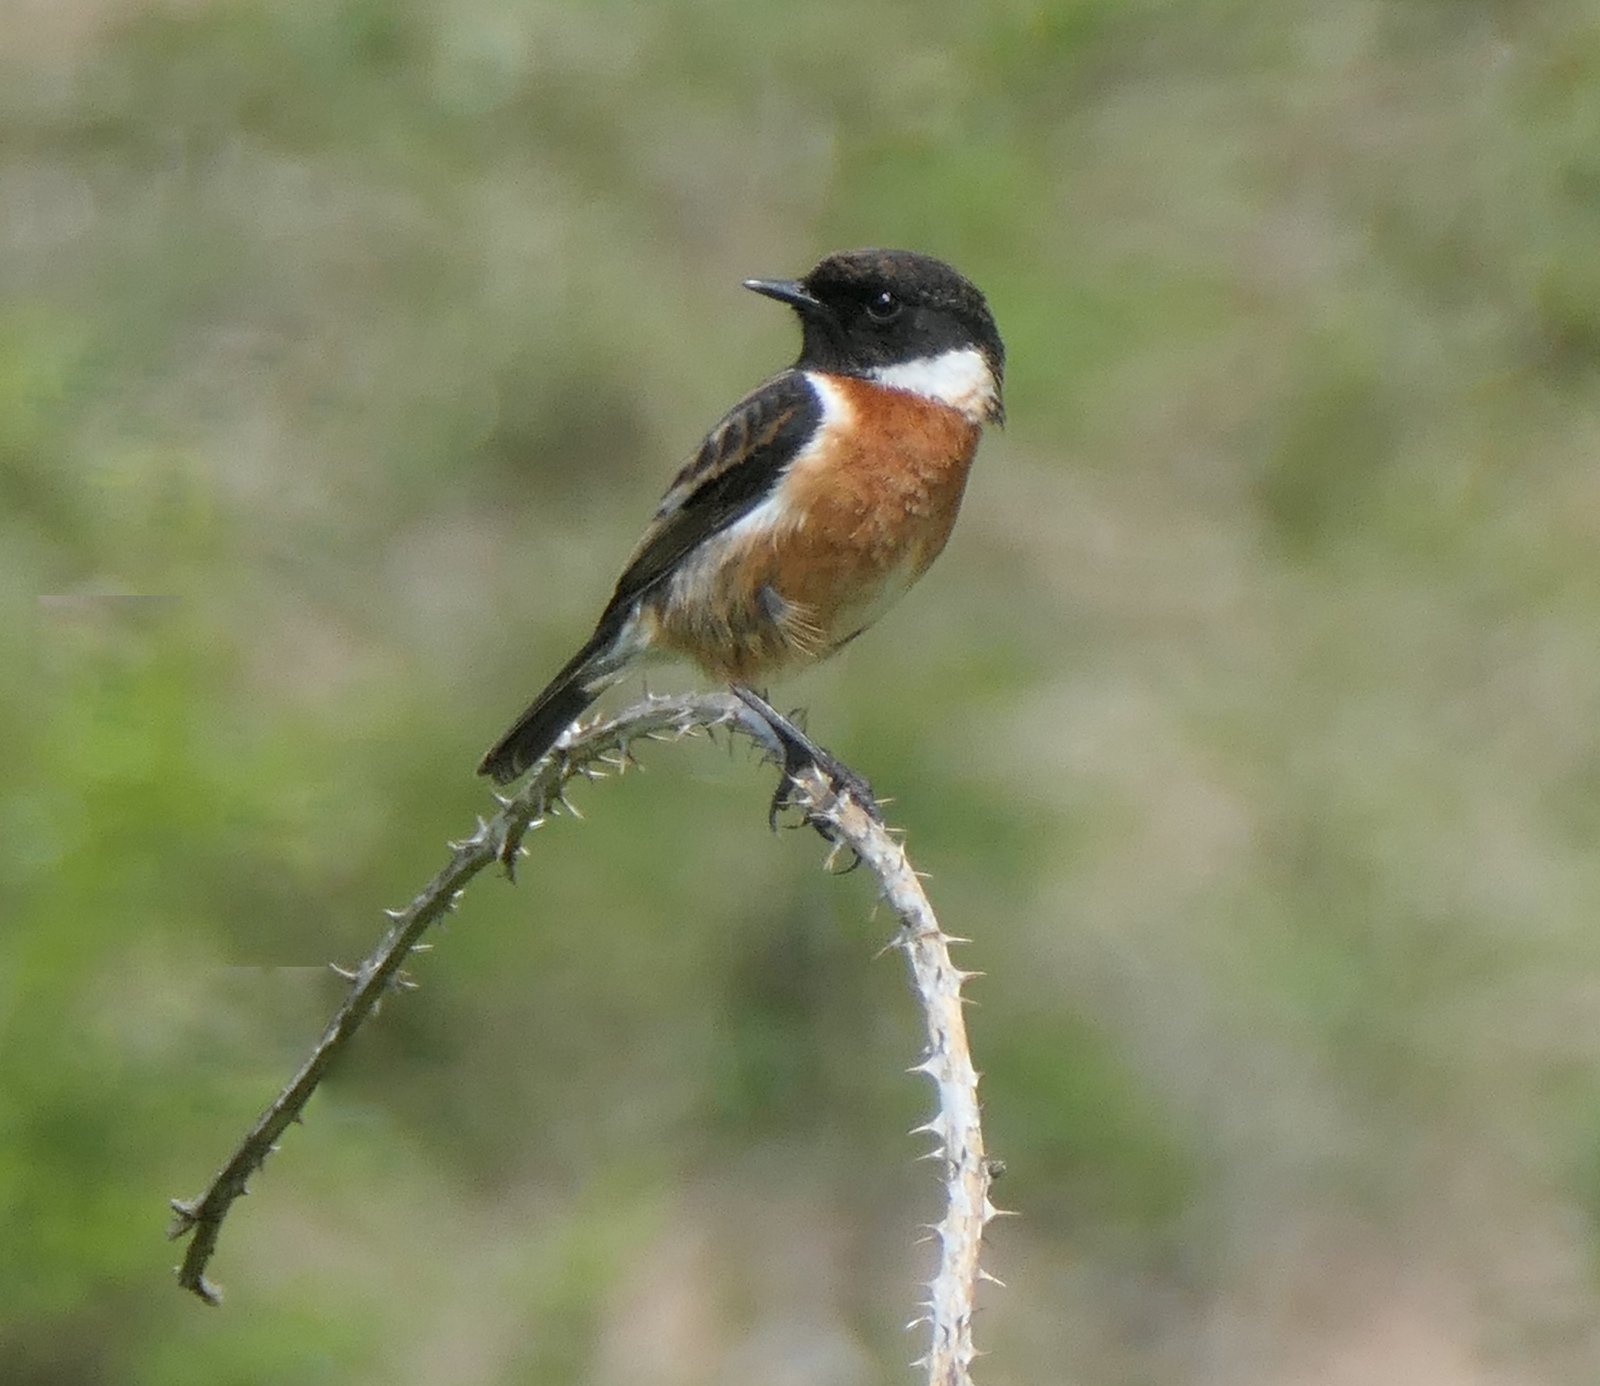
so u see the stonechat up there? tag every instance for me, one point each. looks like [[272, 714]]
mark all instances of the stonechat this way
[[817, 500]]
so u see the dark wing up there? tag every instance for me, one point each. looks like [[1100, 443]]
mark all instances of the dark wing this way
[[737, 466]]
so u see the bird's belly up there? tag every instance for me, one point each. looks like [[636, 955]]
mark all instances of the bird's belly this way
[[776, 604]]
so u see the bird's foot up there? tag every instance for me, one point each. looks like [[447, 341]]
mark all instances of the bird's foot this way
[[801, 753]]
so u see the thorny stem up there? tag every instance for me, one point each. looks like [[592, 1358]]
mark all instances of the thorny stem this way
[[837, 808], [947, 1060]]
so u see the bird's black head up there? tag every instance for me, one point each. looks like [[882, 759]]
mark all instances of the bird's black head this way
[[901, 318]]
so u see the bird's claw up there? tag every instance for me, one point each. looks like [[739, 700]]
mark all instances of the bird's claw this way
[[800, 754]]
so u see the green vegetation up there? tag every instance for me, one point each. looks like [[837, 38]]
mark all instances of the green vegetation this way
[[1250, 726]]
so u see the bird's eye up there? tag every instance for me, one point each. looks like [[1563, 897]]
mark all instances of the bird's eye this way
[[884, 307]]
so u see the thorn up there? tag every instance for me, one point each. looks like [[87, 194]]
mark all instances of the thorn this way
[[395, 915], [917, 1323], [344, 973], [992, 1279]]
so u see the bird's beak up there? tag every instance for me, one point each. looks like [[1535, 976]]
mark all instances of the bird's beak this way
[[790, 291]]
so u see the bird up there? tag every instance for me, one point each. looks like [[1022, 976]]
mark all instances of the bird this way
[[814, 503]]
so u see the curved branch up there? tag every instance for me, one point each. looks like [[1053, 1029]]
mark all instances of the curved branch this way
[[841, 810], [947, 1060]]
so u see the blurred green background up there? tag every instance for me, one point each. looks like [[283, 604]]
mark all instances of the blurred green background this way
[[1250, 725]]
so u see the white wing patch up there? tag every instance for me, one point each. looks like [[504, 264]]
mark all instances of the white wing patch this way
[[962, 379], [776, 512]]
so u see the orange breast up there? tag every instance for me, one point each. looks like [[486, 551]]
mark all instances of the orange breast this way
[[854, 523], [879, 500]]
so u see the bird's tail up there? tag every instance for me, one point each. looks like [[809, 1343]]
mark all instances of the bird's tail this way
[[584, 677]]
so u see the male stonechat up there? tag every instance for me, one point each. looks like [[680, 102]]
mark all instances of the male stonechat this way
[[817, 500]]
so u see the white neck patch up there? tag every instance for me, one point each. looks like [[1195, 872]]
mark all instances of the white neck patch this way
[[962, 379]]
